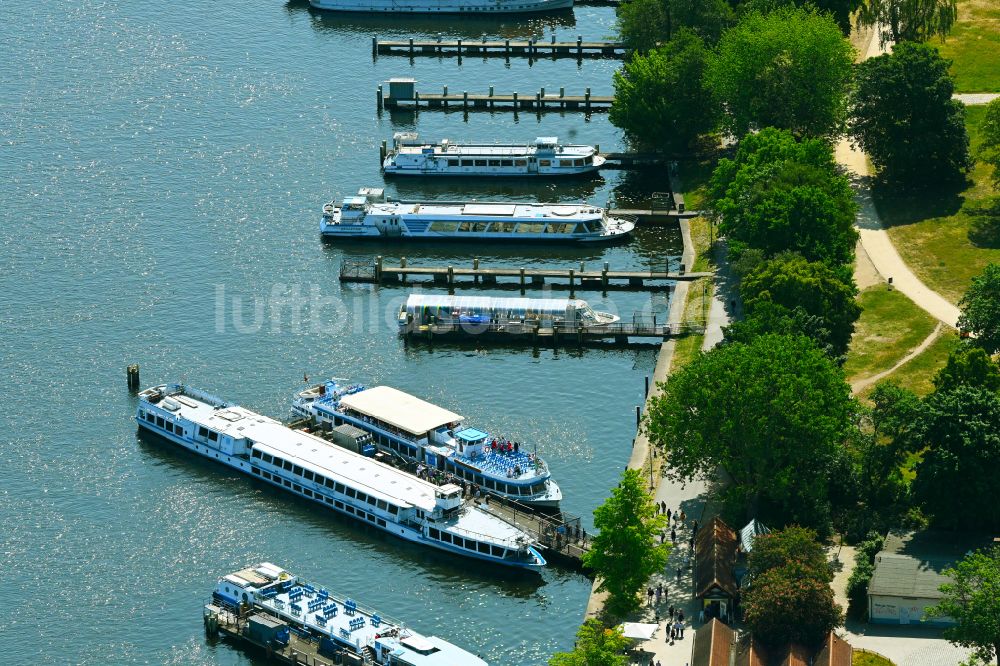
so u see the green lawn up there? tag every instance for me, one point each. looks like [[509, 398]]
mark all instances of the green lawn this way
[[974, 46], [931, 232], [861, 658], [917, 374], [890, 326]]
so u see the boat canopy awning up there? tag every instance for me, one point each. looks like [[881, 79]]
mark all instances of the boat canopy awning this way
[[399, 409]]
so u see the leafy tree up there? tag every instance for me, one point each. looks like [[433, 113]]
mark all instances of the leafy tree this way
[[861, 576], [778, 194], [660, 98], [788, 605], [788, 69], [984, 229], [707, 18], [626, 551], [989, 147], [791, 545], [903, 116], [596, 645], [771, 319], [956, 479], [773, 413], [971, 366], [972, 599], [908, 20], [789, 282], [840, 10], [981, 309], [644, 24]]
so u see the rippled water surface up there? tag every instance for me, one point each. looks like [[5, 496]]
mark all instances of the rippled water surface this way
[[162, 167]]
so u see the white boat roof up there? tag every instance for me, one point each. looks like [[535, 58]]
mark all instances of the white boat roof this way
[[491, 150], [524, 211], [310, 452], [492, 302], [400, 409]]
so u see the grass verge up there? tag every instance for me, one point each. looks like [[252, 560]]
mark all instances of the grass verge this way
[[916, 374], [931, 232], [889, 327], [974, 46], [865, 658]]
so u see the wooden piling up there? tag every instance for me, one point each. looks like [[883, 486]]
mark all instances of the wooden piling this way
[[132, 377], [378, 97], [374, 47], [451, 279], [475, 267], [571, 283], [382, 151]]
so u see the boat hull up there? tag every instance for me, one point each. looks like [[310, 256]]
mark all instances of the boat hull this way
[[372, 234], [477, 7], [407, 534]]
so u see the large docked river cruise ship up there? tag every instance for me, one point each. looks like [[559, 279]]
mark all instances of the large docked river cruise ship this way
[[369, 215], [546, 157], [261, 605], [426, 434], [443, 6], [344, 481]]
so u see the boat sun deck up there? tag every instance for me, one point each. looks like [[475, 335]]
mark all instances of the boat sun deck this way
[[497, 209]]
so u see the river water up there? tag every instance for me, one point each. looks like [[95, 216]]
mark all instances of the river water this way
[[163, 165]]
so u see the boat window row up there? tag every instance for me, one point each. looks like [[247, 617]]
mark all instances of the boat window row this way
[[210, 435], [319, 479], [468, 544], [452, 226], [160, 422], [499, 486], [337, 504], [379, 438], [523, 164]]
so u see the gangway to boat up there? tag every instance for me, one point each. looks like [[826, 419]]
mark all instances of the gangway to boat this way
[[562, 534]]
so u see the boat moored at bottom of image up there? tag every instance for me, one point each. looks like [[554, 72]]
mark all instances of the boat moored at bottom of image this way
[[443, 6], [267, 607], [346, 482], [370, 216], [546, 157]]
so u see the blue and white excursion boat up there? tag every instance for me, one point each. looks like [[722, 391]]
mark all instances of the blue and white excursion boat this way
[[421, 432], [443, 6], [370, 216], [264, 604], [546, 157], [344, 481]]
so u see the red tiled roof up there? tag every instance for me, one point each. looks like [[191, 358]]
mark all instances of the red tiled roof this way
[[715, 555], [712, 642], [835, 652]]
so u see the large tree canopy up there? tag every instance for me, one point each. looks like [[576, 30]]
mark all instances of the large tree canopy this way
[[971, 366], [972, 599], [788, 69], [645, 24], [660, 98], [772, 413], [908, 20], [903, 116], [626, 551], [790, 282], [779, 194], [840, 10], [981, 309], [957, 476], [989, 146], [596, 645]]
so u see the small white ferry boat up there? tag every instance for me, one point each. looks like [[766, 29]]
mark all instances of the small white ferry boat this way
[[546, 157], [370, 216], [443, 6], [346, 482], [270, 608], [422, 309], [421, 432]]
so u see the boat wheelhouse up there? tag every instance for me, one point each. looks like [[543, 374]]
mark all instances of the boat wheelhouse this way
[[443, 6], [424, 309], [346, 482], [269, 603], [421, 432], [546, 157], [369, 215]]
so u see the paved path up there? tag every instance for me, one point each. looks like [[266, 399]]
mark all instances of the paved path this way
[[861, 384], [976, 98], [725, 297]]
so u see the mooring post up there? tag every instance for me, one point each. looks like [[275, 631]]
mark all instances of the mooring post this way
[[459, 48], [506, 47], [515, 101], [475, 267], [682, 269], [374, 46], [638, 417], [586, 99], [451, 279], [132, 377], [383, 148], [378, 269], [465, 99], [411, 47], [571, 290], [402, 264], [581, 267], [647, 387], [579, 46], [522, 283], [604, 278], [378, 97], [444, 95]]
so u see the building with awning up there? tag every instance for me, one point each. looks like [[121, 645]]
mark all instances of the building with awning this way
[[714, 560]]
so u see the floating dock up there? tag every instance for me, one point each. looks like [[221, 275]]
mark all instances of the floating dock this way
[[562, 535], [402, 94], [377, 272], [638, 326], [506, 48], [299, 650]]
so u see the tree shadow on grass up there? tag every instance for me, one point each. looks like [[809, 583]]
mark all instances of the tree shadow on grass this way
[[899, 207]]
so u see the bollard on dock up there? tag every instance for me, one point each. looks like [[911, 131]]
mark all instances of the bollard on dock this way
[[132, 377]]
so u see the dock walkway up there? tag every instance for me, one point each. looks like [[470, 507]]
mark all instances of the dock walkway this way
[[299, 650], [506, 48], [538, 101], [562, 535]]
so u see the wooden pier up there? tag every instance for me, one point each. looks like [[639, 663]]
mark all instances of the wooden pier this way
[[559, 333], [402, 95], [377, 272], [506, 48], [299, 650]]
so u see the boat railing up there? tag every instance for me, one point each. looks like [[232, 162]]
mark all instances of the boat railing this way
[[515, 542], [637, 325], [198, 394]]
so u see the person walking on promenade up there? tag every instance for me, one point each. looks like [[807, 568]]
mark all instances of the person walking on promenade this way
[[668, 514], [649, 595], [671, 612], [678, 574], [673, 536]]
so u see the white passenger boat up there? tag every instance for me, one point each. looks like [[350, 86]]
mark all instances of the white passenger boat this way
[[344, 481], [370, 216], [264, 604], [424, 433], [421, 309], [546, 157], [443, 6]]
